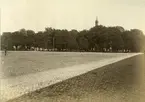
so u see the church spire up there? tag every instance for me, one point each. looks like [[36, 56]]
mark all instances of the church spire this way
[[96, 22]]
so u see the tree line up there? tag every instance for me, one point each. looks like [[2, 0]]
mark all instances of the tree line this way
[[97, 39]]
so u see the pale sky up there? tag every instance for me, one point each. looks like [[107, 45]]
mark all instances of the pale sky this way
[[71, 14]]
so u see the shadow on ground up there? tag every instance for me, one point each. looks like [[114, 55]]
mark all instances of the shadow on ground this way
[[119, 82]]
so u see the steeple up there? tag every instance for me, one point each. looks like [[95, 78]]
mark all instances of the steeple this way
[[96, 22]]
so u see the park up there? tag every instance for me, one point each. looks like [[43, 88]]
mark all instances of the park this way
[[59, 52], [50, 65]]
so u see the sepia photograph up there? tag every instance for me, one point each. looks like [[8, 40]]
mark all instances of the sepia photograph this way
[[72, 50]]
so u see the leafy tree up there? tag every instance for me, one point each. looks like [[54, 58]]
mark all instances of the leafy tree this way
[[6, 41], [72, 43]]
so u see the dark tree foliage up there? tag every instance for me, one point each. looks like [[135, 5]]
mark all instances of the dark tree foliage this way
[[98, 39]]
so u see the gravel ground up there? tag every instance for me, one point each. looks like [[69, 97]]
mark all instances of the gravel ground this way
[[18, 63], [123, 81], [14, 87]]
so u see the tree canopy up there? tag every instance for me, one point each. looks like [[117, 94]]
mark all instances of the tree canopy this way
[[98, 38]]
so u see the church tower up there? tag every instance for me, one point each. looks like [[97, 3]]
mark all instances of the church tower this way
[[96, 22]]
